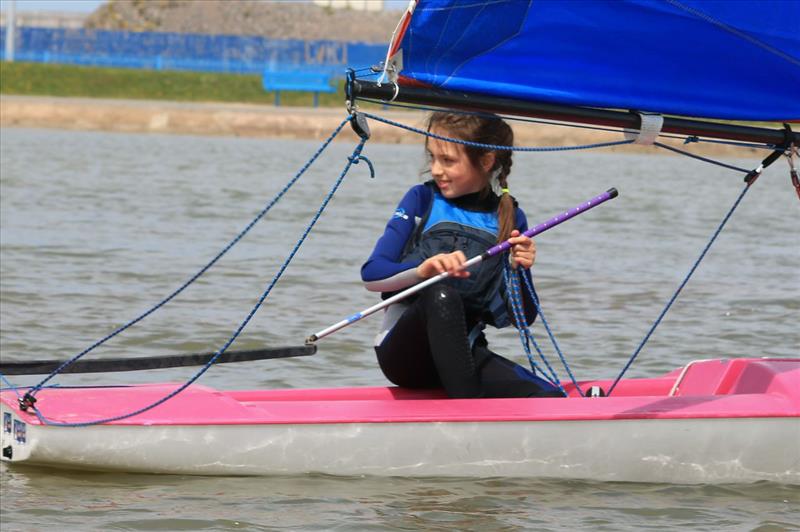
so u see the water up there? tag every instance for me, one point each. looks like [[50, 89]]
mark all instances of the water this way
[[96, 228]]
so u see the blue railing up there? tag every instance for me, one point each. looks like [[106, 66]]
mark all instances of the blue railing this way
[[184, 51]]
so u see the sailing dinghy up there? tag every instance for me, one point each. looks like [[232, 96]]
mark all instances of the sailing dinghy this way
[[711, 421], [617, 64]]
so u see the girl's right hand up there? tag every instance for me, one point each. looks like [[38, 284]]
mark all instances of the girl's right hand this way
[[443, 262]]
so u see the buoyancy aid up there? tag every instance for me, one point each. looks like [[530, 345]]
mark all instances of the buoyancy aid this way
[[445, 228]]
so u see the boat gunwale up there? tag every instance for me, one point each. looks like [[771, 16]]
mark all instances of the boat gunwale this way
[[716, 388]]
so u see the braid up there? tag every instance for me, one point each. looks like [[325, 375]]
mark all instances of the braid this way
[[505, 213]]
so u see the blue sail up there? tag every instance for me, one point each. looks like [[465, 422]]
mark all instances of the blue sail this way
[[737, 60]]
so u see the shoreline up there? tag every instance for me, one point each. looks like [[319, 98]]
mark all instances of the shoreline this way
[[266, 121]]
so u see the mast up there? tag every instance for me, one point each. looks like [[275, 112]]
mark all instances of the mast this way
[[389, 92]]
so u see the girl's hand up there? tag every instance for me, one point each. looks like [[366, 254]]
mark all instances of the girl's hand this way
[[443, 262], [523, 250]]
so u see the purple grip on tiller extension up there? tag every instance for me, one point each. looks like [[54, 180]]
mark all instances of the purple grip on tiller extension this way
[[555, 220]]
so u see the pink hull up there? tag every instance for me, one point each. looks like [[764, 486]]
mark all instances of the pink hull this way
[[738, 388], [714, 421]]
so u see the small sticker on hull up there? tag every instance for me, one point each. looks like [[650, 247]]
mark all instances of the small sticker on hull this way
[[7, 422], [19, 431]]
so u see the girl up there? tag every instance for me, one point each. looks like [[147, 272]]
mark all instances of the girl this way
[[436, 339]]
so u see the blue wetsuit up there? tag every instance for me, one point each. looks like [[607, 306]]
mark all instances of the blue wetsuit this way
[[435, 338]]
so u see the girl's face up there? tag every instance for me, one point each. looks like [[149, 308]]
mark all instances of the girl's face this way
[[452, 169]]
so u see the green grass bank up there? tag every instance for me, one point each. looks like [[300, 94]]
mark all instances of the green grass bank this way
[[41, 79]]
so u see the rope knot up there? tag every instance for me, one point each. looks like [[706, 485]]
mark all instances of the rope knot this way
[[26, 401], [357, 158]]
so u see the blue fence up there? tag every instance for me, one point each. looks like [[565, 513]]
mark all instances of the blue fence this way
[[182, 51]]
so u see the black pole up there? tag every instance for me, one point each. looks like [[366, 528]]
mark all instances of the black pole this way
[[103, 365], [587, 115]]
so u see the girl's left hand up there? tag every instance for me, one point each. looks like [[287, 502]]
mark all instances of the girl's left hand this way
[[523, 250]]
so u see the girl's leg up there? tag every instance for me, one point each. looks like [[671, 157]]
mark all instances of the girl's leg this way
[[428, 346], [447, 335], [404, 355], [501, 377]]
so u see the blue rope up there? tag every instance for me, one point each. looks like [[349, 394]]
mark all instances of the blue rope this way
[[350, 161], [704, 159], [686, 139], [530, 288], [493, 146], [370, 74], [740, 144], [512, 288], [10, 386], [546, 325], [202, 270], [678, 291], [487, 114], [355, 159], [526, 332], [365, 69], [520, 320]]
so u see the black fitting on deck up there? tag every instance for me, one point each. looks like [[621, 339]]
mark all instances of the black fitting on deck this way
[[26, 401]]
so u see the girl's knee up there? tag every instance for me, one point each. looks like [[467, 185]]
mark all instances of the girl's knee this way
[[442, 297]]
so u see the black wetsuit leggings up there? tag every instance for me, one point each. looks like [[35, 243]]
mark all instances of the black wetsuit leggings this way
[[428, 348]]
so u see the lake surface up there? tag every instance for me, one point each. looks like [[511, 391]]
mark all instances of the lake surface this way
[[96, 228]]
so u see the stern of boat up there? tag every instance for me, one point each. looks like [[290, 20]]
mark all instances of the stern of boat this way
[[16, 438]]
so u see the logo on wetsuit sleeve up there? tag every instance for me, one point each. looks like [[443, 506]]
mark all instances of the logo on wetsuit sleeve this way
[[400, 213]]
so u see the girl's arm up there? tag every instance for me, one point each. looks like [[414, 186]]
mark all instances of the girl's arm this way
[[384, 271]]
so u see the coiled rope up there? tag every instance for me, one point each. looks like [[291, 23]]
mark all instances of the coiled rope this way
[[513, 291]]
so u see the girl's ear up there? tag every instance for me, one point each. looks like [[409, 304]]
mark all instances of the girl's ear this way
[[487, 161]]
